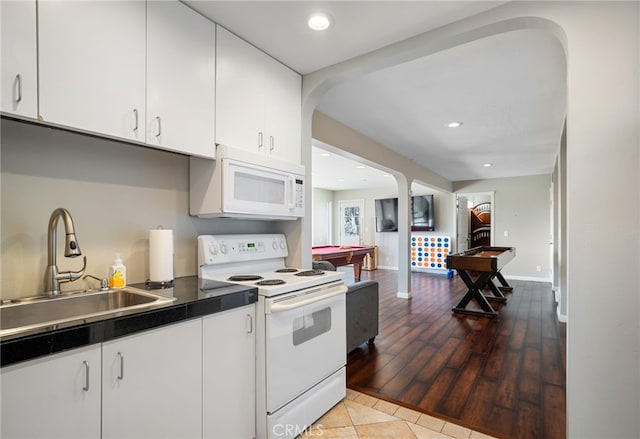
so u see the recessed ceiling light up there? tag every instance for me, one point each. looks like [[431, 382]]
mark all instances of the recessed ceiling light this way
[[454, 124], [361, 167], [324, 154], [386, 175], [319, 21], [488, 165]]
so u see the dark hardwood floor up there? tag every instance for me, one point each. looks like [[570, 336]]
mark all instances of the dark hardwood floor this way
[[503, 376]]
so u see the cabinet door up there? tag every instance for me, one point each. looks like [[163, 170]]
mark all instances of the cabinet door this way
[[54, 397], [180, 79], [19, 60], [151, 383], [283, 111], [228, 349], [92, 66], [240, 93]]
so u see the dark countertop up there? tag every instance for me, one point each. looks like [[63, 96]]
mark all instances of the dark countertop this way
[[194, 298]]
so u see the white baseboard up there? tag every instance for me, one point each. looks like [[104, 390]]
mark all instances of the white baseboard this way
[[402, 295], [562, 318], [436, 271], [387, 267], [529, 278]]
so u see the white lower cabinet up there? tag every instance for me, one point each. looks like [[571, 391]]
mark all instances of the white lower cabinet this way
[[228, 360], [57, 396], [191, 379], [151, 383]]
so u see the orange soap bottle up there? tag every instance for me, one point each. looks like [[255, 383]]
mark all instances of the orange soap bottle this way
[[117, 273]]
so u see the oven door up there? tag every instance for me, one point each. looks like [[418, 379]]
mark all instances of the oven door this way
[[305, 341], [254, 189]]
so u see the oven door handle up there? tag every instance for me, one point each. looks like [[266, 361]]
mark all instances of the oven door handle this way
[[297, 302]]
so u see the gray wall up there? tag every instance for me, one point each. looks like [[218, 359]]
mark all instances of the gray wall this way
[[115, 192], [322, 216], [522, 208], [387, 242]]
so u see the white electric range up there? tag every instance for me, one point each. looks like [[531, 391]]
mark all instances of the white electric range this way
[[300, 329]]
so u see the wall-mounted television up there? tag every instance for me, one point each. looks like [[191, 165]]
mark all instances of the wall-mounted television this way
[[422, 213], [386, 215]]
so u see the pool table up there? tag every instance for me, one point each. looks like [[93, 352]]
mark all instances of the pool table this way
[[486, 262], [340, 255]]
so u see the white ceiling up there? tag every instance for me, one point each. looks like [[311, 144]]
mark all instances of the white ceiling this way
[[334, 172], [280, 27], [509, 90]]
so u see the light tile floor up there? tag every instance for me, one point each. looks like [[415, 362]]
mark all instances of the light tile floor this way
[[361, 416]]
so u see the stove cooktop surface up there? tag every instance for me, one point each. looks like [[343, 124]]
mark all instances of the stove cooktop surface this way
[[280, 281]]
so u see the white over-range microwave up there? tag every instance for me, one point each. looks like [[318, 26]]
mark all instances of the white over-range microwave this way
[[241, 184]]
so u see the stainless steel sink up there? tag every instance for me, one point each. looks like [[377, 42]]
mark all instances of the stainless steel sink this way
[[27, 314]]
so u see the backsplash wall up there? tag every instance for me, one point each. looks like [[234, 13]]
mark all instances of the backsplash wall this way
[[115, 193]]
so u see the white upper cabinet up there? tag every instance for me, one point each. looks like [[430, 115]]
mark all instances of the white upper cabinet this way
[[258, 100], [239, 93], [92, 66], [19, 89], [180, 79], [136, 70], [283, 113]]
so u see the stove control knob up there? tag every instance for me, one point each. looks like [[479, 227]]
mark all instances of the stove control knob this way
[[223, 248], [283, 245], [213, 249], [275, 245]]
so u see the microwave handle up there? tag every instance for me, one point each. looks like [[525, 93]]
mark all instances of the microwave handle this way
[[292, 192]]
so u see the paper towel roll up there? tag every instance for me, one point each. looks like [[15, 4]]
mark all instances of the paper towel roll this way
[[160, 255]]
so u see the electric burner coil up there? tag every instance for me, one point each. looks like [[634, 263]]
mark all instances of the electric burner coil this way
[[270, 282], [287, 270], [313, 272], [244, 277]]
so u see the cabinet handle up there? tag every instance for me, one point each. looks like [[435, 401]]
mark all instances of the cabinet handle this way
[[19, 84], [86, 376], [135, 118], [249, 324], [271, 143], [121, 374], [159, 126], [260, 139]]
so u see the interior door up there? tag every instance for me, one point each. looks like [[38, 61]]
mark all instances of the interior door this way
[[351, 222], [480, 229], [463, 220]]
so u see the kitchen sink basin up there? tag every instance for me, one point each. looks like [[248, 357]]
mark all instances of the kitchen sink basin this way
[[27, 314]]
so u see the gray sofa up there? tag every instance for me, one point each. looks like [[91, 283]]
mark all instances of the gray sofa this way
[[362, 309]]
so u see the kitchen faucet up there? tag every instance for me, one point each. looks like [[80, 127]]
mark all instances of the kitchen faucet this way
[[52, 277]]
